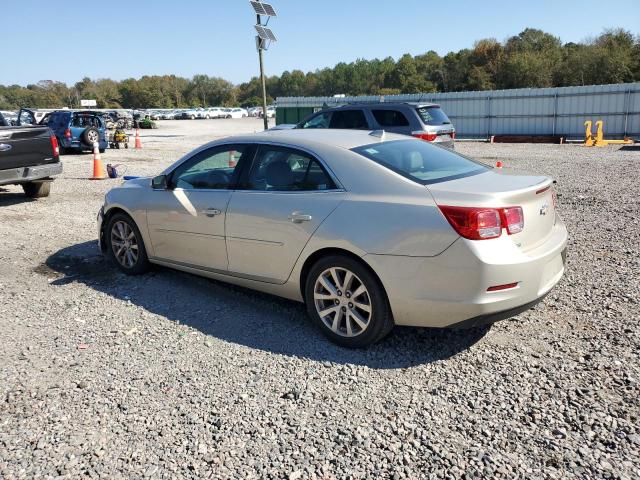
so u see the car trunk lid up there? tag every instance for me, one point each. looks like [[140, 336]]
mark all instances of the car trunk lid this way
[[493, 189]]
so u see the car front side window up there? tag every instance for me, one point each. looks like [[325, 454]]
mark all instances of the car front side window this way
[[319, 121], [211, 169]]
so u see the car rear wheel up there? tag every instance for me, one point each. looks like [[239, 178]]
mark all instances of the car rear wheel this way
[[37, 189], [125, 245], [347, 302]]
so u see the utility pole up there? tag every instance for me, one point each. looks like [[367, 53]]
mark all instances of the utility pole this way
[[264, 37], [263, 80]]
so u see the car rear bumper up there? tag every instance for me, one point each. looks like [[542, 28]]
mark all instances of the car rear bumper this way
[[29, 174], [450, 290]]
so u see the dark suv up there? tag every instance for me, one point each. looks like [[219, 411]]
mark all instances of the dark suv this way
[[426, 121]]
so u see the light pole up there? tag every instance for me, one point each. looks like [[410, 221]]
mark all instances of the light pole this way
[[263, 39]]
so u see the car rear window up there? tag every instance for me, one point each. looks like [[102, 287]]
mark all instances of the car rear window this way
[[420, 161], [433, 116], [390, 118]]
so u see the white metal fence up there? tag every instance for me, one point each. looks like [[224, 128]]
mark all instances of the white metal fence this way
[[527, 111]]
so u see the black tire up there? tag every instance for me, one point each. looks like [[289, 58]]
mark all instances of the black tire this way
[[380, 321], [102, 150], [141, 264], [37, 189], [90, 135]]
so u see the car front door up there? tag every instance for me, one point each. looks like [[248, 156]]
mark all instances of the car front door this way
[[281, 201], [187, 219]]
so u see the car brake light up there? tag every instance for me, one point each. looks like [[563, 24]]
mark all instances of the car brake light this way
[[483, 223], [54, 146], [429, 137], [453, 135], [512, 219], [67, 133]]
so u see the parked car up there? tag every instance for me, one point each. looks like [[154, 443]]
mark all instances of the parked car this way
[[9, 117], [29, 156], [236, 113], [426, 121], [190, 114], [213, 112], [254, 111], [369, 230], [271, 112], [77, 130]]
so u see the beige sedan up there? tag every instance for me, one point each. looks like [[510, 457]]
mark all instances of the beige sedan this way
[[369, 229]]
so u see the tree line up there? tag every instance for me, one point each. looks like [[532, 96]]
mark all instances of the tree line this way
[[532, 58]]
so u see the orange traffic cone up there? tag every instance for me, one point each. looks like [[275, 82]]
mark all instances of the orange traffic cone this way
[[138, 142], [98, 169]]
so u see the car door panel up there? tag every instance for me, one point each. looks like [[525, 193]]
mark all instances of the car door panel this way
[[266, 231], [187, 220], [183, 231]]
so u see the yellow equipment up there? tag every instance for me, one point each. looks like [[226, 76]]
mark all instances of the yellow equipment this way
[[598, 140]]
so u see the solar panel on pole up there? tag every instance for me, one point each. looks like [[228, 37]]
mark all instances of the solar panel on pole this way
[[258, 8], [269, 10], [265, 33]]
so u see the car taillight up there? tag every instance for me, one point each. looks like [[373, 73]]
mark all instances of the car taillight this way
[[54, 146], [474, 223], [483, 223], [67, 133], [453, 135], [429, 137], [512, 219]]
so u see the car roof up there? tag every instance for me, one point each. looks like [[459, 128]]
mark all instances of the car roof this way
[[382, 104], [342, 138]]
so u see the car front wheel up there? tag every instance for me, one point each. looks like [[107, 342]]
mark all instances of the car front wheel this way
[[125, 245], [347, 302]]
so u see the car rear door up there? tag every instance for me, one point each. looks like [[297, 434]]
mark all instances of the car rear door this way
[[284, 197], [187, 220]]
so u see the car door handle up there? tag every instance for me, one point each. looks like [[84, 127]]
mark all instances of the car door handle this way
[[297, 217], [211, 212]]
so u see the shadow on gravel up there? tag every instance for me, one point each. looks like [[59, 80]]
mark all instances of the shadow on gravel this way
[[245, 317], [631, 148], [8, 198]]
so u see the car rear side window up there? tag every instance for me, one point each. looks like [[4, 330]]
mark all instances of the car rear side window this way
[[390, 118], [287, 170], [350, 119], [433, 116], [420, 161]]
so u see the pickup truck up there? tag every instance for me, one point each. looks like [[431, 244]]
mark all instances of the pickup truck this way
[[29, 156]]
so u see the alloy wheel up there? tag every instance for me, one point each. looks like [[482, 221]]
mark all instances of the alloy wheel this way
[[124, 244], [342, 302]]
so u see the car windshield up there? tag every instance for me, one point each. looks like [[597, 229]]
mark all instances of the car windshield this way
[[433, 116], [420, 161]]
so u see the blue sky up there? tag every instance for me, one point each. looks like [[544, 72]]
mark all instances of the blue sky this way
[[70, 39]]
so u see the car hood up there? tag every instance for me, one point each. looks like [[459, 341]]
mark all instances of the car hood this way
[[139, 182]]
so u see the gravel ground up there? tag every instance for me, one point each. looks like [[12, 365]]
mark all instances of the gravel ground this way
[[170, 375]]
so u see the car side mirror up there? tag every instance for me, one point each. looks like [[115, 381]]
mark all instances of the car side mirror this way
[[160, 182]]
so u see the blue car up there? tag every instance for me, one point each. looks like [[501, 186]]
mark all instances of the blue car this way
[[77, 130]]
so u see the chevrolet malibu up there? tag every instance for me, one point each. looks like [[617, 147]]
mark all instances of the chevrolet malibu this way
[[368, 229]]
